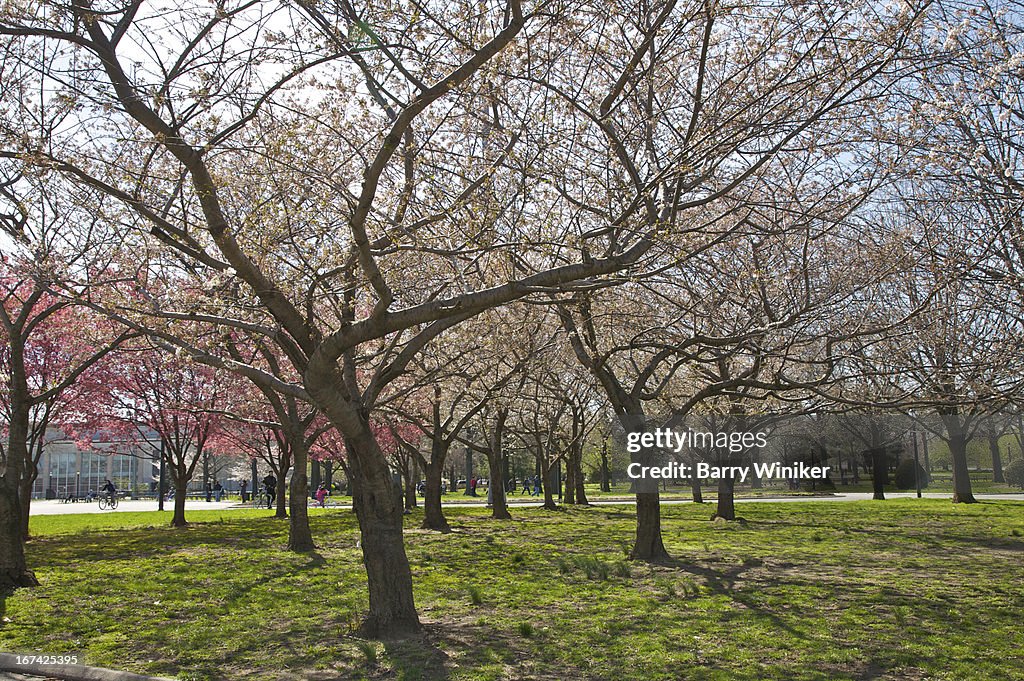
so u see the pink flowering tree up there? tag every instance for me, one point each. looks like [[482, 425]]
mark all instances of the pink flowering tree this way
[[51, 365], [163, 403]]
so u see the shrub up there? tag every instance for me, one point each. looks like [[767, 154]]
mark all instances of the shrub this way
[[1014, 473], [904, 478]]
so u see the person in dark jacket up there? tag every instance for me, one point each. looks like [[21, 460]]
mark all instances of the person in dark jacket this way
[[270, 484]]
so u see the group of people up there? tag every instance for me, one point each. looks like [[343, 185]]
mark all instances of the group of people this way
[[531, 486], [218, 492]]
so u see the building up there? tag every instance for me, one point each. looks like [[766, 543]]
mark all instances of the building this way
[[68, 470], [65, 469]]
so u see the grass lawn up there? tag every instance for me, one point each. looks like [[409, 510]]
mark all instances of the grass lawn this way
[[902, 589], [942, 483]]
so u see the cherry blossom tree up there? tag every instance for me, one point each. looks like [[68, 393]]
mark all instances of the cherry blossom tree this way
[[371, 179], [50, 348], [165, 404]]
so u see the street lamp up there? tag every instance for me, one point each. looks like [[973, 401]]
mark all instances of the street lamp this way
[[78, 485]]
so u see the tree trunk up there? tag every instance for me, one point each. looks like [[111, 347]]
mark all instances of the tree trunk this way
[[433, 515], [380, 513], [550, 484], [957, 453], [281, 502], [569, 493], [879, 472], [499, 505], [25, 502], [328, 474], [581, 491], [14, 570], [300, 539], [648, 545], [755, 481], [698, 496], [180, 492], [997, 459], [726, 498], [410, 473], [606, 483], [575, 492]]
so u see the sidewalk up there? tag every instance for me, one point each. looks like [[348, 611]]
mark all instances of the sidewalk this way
[[14, 669], [53, 507], [56, 507]]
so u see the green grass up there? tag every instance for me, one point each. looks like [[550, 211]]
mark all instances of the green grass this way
[[942, 483], [816, 590]]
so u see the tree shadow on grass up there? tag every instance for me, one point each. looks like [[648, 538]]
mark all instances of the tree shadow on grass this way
[[239, 596], [937, 543], [419, 657], [728, 581], [150, 542], [719, 580]]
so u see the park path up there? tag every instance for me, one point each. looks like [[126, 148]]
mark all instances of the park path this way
[[16, 668], [54, 507]]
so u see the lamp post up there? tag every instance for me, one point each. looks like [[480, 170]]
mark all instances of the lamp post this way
[[255, 474], [206, 476], [78, 485]]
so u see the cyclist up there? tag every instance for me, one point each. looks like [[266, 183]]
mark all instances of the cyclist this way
[[109, 490], [270, 487]]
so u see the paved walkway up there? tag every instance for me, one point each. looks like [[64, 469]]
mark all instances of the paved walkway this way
[[54, 507], [16, 668]]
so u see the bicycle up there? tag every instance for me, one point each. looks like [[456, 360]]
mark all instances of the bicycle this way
[[107, 503], [261, 500]]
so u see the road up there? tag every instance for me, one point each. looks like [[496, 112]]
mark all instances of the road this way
[[54, 507]]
